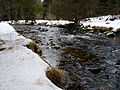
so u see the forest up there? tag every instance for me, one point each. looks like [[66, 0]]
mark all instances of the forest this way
[[56, 9]]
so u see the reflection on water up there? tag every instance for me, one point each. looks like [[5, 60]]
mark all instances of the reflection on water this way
[[91, 60]]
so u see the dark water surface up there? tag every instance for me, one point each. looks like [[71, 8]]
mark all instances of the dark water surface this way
[[91, 60]]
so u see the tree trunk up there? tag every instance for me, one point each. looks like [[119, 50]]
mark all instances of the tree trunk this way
[[9, 14], [22, 14], [16, 13]]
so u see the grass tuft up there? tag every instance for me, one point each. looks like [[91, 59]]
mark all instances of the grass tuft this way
[[56, 76], [1, 49], [33, 46]]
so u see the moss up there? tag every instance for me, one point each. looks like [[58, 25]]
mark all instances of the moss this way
[[56, 76]]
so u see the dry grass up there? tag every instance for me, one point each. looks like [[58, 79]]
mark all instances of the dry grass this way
[[107, 23], [118, 30], [101, 28], [73, 54], [2, 42], [1, 49], [81, 60], [10, 48], [33, 46], [56, 76], [67, 50], [45, 61]]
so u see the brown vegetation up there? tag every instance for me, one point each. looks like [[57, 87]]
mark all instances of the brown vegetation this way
[[56, 76], [1, 49], [118, 30], [88, 26], [107, 23], [34, 48], [101, 28], [67, 50], [2, 42]]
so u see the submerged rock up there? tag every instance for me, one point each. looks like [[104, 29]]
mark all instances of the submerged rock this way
[[95, 70], [110, 34], [118, 62], [43, 30]]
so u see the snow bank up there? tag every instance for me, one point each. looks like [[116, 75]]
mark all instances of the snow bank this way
[[103, 21], [40, 22], [53, 22], [20, 68]]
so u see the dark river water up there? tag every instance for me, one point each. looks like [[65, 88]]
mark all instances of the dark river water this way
[[91, 60]]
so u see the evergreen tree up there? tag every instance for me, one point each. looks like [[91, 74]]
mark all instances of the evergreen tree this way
[[19, 9], [107, 7], [74, 9]]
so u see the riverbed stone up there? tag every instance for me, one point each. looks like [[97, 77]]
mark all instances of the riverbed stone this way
[[95, 70], [118, 62], [110, 34]]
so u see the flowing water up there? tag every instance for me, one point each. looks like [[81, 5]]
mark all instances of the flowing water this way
[[91, 60]]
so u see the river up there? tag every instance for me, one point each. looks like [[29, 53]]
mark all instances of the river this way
[[91, 59]]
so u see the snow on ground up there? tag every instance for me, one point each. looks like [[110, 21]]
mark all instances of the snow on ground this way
[[103, 21], [46, 22], [20, 68], [53, 22]]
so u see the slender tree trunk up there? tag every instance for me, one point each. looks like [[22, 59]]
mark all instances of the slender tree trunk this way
[[16, 13], [9, 16], [22, 14]]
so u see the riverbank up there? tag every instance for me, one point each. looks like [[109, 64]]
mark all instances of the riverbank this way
[[109, 25], [88, 58], [40, 22], [20, 67]]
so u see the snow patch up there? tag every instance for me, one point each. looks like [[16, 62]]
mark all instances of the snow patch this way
[[20, 67], [103, 21], [40, 22]]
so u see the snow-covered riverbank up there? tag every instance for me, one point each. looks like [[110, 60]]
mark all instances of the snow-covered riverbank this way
[[109, 21], [41, 22], [20, 67]]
